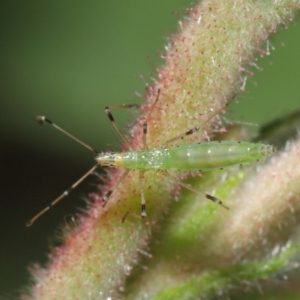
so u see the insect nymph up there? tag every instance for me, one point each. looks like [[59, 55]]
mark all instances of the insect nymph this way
[[191, 157]]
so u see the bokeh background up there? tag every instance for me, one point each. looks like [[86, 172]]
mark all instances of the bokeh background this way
[[67, 60]]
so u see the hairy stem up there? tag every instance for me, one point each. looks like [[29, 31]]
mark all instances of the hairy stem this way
[[199, 247]]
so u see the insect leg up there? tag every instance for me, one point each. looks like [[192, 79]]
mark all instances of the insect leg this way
[[131, 214], [183, 135], [112, 120], [143, 201], [145, 125], [207, 196], [108, 194], [196, 128], [64, 194]]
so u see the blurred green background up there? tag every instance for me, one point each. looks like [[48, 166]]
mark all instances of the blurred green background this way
[[67, 60]]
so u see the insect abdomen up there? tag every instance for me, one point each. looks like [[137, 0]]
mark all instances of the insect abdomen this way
[[212, 155], [202, 156]]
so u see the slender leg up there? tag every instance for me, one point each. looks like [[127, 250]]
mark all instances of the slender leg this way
[[183, 135], [112, 120], [209, 197], [143, 201], [64, 194], [108, 194], [145, 146], [145, 125], [129, 213], [125, 216], [197, 128]]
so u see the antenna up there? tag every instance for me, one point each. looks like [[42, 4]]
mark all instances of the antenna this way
[[41, 120], [64, 194]]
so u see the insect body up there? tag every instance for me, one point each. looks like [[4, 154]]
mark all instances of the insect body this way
[[195, 157], [192, 157]]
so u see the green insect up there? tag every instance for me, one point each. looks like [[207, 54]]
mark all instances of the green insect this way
[[191, 157]]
